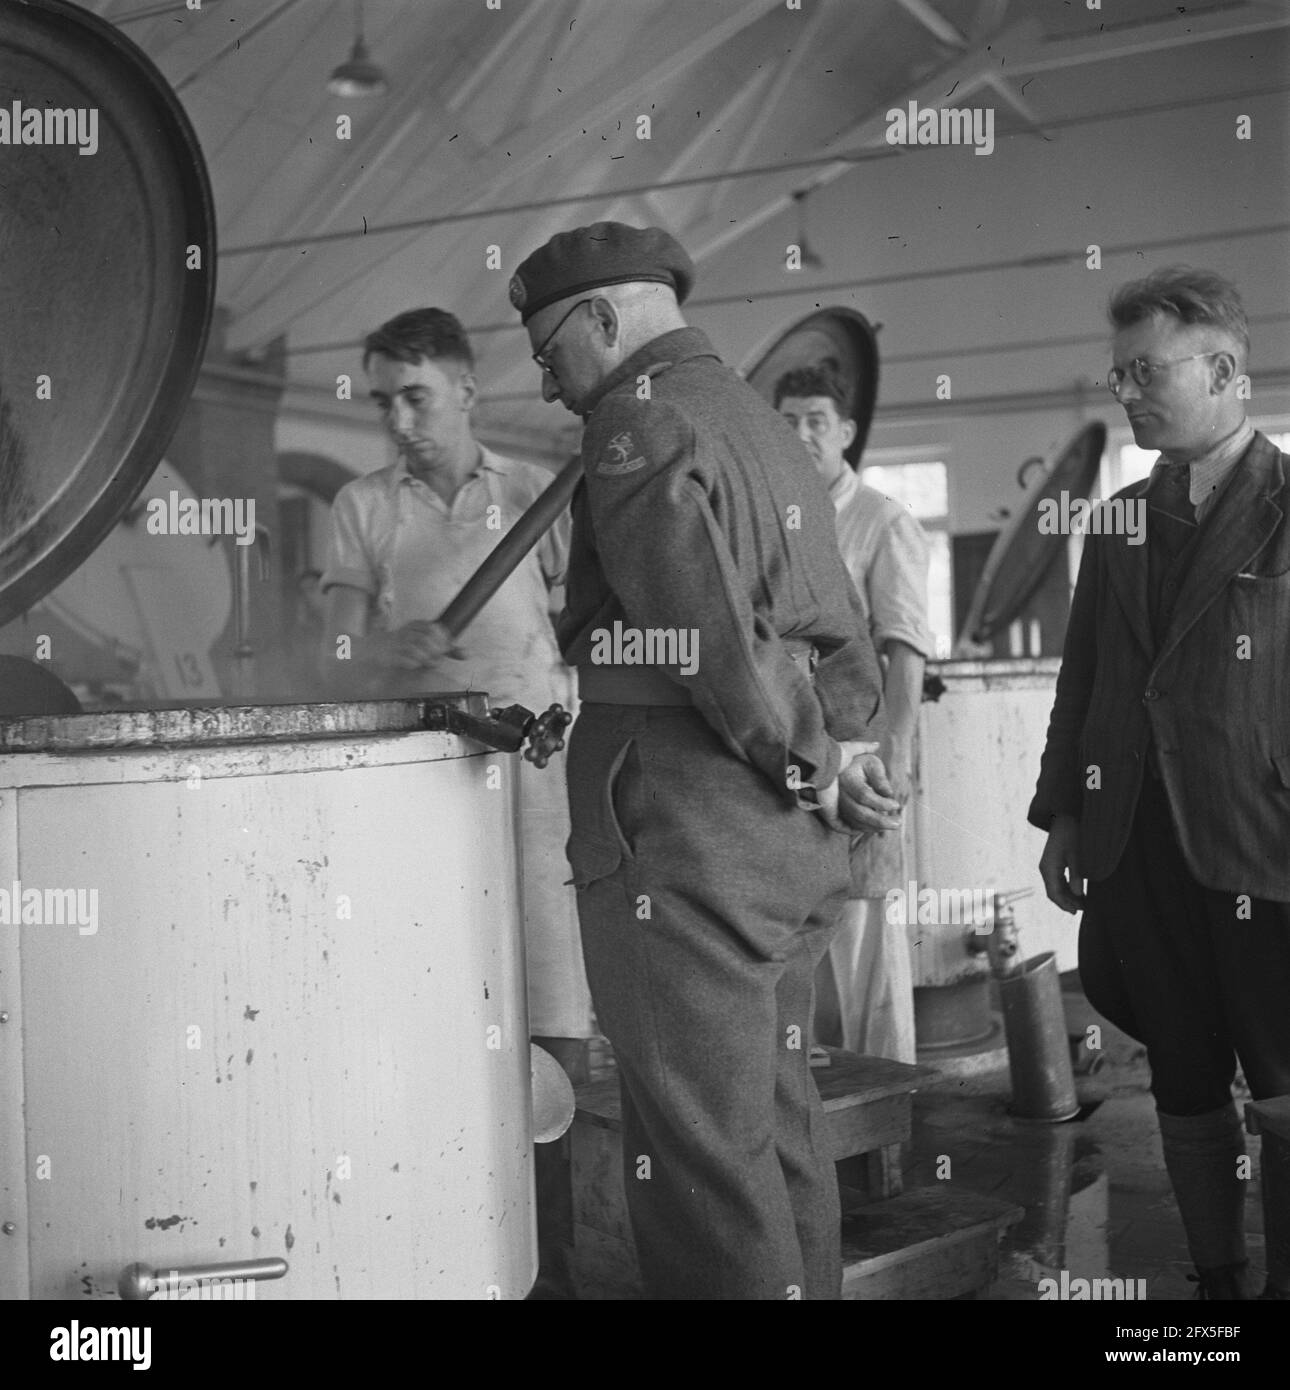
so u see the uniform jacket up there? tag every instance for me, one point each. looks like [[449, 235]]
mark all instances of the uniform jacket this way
[[700, 509], [1215, 696]]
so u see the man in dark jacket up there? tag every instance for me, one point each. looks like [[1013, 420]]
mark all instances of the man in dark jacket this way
[[1165, 781], [715, 772]]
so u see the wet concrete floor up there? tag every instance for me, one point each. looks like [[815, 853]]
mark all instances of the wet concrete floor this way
[[1096, 1195]]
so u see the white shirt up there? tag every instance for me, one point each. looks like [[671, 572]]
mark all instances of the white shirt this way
[[886, 553], [1208, 472], [396, 539]]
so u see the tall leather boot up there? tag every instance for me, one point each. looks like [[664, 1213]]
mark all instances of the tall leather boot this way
[[1202, 1153]]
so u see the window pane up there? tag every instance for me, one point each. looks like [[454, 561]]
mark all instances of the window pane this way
[[940, 607], [922, 487], [1135, 464]]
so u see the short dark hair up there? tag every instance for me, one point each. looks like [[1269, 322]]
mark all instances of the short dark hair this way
[[812, 381], [1188, 295], [418, 333]]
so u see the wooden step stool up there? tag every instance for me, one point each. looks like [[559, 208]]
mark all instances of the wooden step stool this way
[[924, 1244]]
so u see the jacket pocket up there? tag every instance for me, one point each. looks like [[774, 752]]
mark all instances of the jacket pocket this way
[[617, 793], [1282, 764]]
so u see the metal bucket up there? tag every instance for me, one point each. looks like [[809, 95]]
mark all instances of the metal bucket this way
[[1039, 1058]]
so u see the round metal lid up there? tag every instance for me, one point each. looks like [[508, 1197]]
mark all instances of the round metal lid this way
[[1023, 553], [103, 190], [839, 339]]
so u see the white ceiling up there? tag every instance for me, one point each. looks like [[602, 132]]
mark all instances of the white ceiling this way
[[493, 114]]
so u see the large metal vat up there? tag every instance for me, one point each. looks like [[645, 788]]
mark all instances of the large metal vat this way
[[261, 968], [294, 1023], [979, 750]]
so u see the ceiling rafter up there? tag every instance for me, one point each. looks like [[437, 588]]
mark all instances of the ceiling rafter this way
[[158, 39], [934, 22], [507, 43], [1151, 36], [694, 145], [136, 16], [988, 18], [1005, 91], [1120, 114], [1026, 51], [212, 60], [785, 75], [528, 90], [668, 48], [328, 200], [956, 79]]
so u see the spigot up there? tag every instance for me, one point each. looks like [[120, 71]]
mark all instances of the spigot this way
[[997, 937], [507, 729], [546, 735]]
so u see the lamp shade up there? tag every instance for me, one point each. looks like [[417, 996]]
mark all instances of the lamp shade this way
[[358, 76]]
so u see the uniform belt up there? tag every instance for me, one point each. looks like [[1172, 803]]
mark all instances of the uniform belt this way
[[649, 685]]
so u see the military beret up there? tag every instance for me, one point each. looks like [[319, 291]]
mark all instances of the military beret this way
[[606, 253]]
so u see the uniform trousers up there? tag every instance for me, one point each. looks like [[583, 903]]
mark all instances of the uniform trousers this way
[[706, 902], [1181, 969]]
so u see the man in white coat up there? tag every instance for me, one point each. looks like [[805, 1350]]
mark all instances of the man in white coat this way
[[864, 986]]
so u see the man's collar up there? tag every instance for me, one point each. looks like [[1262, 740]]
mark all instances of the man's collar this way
[[844, 487], [1243, 432], [1206, 471], [400, 474], [677, 345]]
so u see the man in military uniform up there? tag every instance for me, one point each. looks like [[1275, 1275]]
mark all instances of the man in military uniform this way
[[713, 792]]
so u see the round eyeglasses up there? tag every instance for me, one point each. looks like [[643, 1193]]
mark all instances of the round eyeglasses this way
[[546, 342], [1142, 369]]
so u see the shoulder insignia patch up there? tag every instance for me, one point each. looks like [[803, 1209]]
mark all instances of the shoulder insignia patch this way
[[619, 459]]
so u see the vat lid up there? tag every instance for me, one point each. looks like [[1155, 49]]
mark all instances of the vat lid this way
[[104, 321], [840, 339], [1023, 553]]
